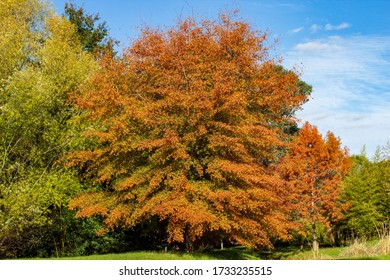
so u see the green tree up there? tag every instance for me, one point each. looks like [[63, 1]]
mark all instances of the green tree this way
[[41, 62], [367, 189], [93, 35]]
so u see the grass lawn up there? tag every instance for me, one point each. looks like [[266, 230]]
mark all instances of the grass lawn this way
[[235, 253], [241, 253], [140, 255]]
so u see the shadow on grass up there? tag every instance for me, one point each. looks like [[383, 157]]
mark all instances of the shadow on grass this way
[[233, 253], [280, 253], [242, 253]]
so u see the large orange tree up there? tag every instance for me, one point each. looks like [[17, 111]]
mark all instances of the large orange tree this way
[[185, 126], [313, 169]]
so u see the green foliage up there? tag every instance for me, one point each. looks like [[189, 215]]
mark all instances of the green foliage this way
[[367, 189], [20, 37], [41, 62], [94, 38]]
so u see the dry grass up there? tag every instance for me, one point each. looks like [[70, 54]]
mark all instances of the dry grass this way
[[362, 249]]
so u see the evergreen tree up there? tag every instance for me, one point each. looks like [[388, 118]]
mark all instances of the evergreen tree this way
[[93, 35]]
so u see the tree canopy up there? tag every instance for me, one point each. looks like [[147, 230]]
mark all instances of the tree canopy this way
[[41, 62], [186, 125], [93, 36], [367, 189], [313, 169]]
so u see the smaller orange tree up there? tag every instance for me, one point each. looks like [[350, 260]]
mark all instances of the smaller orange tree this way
[[313, 169]]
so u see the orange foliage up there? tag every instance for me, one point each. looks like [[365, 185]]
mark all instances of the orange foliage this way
[[188, 122], [313, 169]]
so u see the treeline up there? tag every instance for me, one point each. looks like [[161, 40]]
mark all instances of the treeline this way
[[367, 193], [185, 140]]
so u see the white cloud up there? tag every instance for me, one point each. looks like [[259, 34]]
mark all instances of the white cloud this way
[[317, 46], [329, 27], [315, 27], [351, 88], [343, 25], [296, 30]]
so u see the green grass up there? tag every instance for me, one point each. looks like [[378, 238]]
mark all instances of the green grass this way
[[234, 253], [242, 253], [371, 250], [139, 255], [383, 257]]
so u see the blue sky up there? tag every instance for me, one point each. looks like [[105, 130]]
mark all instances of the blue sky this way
[[341, 46]]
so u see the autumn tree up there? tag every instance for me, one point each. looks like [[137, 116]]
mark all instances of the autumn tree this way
[[184, 128], [41, 62], [313, 169]]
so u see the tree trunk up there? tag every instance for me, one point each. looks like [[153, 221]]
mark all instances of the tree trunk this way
[[63, 232], [332, 235], [188, 243], [315, 241]]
